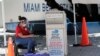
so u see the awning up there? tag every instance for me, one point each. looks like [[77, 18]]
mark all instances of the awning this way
[[86, 1]]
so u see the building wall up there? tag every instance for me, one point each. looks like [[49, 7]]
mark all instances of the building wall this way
[[31, 9]]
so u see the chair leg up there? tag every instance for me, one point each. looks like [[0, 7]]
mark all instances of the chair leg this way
[[16, 51], [33, 49]]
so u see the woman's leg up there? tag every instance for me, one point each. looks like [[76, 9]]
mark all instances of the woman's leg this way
[[26, 42]]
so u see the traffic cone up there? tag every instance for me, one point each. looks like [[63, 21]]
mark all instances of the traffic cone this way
[[10, 47], [85, 40]]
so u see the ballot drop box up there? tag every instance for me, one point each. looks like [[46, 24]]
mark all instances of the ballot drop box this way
[[56, 33]]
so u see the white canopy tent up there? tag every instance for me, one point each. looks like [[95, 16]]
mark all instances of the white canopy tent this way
[[82, 2]]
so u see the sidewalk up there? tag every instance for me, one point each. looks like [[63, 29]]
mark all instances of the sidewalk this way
[[93, 50]]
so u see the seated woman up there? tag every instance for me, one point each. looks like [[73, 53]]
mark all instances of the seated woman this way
[[24, 36]]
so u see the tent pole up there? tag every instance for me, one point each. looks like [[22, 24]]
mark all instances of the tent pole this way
[[75, 24], [4, 29]]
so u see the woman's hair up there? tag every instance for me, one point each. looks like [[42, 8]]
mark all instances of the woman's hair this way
[[21, 18]]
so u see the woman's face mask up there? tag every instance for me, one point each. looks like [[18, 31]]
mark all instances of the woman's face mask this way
[[24, 25]]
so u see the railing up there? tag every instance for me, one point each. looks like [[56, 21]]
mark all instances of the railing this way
[[12, 26]]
